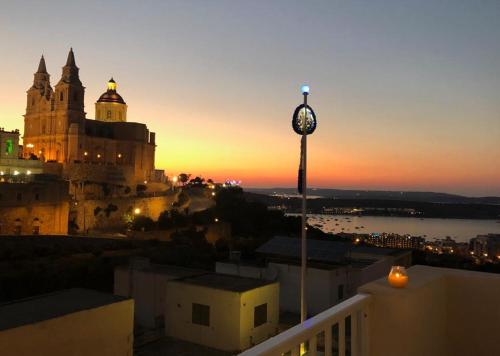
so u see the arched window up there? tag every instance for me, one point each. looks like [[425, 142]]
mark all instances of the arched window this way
[[108, 114], [61, 96]]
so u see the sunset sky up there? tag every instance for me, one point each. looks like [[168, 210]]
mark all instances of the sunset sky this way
[[407, 93]]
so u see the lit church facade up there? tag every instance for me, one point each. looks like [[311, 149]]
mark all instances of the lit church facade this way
[[56, 128]]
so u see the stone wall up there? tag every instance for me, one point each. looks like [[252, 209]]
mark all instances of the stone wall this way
[[35, 207], [114, 213]]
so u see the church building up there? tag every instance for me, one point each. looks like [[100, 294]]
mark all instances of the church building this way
[[56, 128]]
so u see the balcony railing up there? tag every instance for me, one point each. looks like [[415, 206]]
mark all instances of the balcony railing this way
[[338, 331], [441, 312]]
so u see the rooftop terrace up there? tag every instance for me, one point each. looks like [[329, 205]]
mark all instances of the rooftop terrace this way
[[225, 282], [441, 312]]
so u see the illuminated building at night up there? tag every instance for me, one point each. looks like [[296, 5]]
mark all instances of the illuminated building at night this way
[[56, 128]]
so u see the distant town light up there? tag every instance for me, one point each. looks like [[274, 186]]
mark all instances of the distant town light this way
[[16, 173], [216, 220], [213, 194], [30, 145], [1, 173], [85, 153], [145, 182], [137, 211], [98, 155], [119, 155], [304, 89], [28, 172]]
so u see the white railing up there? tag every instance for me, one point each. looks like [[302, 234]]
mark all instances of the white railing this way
[[341, 330]]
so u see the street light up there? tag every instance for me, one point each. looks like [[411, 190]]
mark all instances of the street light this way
[[174, 182], [303, 123], [137, 211]]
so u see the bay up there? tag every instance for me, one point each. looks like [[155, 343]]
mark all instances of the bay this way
[[462, 230]]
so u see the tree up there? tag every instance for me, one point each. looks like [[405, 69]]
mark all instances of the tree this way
[[173, 218], [140, 188], [197, 182], [184, 178], [143, 223]]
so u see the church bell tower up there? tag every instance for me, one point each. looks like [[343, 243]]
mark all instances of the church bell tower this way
[[69, 95]]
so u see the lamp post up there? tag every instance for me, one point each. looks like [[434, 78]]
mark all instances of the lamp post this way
[[303, 123]]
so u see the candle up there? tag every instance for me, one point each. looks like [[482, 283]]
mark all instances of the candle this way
[[398, 277]]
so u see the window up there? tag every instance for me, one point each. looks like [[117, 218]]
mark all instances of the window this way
[[120, 115], [260, 315], [108, 114], [9, 146], [340, 292], [75, 96], [201, 314], [61, 96]]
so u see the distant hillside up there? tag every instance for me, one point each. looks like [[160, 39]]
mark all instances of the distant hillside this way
[[429, 197]]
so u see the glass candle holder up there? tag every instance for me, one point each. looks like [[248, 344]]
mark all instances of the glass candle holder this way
[[398, 278]]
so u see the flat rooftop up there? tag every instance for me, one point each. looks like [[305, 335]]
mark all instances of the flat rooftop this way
[[325, 251], [49, 306], [169, 270], [225, 282]]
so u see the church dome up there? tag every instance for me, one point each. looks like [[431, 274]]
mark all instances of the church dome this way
[[111, 96]]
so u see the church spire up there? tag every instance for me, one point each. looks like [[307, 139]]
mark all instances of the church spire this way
[[70, 62], [70, 70], [41, 77], [41, 66]]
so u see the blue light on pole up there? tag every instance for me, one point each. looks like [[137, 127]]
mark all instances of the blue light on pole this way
[[304, 89]]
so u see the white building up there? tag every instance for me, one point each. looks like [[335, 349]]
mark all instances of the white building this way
[[220, 311], [335, 270], [147, 284]]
